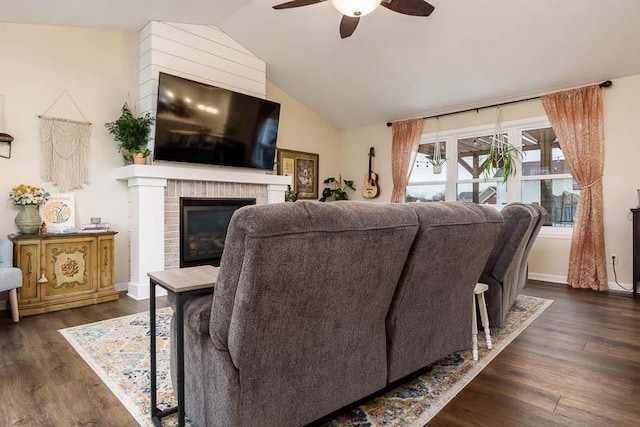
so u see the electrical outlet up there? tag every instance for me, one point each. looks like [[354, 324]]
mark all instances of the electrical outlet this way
[[614, 259]]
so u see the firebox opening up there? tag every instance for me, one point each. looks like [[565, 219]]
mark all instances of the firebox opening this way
[[203, 228]]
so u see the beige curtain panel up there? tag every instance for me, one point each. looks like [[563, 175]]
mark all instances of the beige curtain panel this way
[[406, 138], [577, 119]]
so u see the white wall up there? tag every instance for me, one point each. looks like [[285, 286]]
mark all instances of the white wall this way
[[355, 158], [99, 69], [303, 130], [621, 171], [549, 258]]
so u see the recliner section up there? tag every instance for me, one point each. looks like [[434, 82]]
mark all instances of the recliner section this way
[[318, 305], [505, 270]]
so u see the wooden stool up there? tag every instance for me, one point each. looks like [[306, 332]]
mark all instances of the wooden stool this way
[[478, 293]]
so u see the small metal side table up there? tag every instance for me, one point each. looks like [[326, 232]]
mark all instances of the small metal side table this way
[[183, 284]]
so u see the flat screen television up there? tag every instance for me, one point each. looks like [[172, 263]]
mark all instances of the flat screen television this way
[[200, 123]]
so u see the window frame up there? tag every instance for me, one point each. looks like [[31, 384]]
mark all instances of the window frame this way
[[514, 130]]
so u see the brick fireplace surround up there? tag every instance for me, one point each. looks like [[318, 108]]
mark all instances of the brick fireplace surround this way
[[154, 195]]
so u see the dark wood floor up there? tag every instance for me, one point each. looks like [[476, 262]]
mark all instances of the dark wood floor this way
[[578, 364]]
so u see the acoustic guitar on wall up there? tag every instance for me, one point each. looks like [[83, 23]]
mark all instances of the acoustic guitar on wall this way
[[370, 188]]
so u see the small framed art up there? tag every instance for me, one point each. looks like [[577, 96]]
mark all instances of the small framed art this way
[[58, 212], [303, 167]]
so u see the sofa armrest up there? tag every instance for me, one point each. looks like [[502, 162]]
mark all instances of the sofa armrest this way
[[197, 314]]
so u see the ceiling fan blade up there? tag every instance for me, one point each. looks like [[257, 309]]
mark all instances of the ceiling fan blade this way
[[296, 3], [409, 7], [348, 25]]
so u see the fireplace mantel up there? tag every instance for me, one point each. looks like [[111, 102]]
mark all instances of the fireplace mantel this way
[[147, 185], [201, 173]]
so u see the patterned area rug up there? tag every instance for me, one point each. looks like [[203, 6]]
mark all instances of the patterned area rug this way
[[118, 351]]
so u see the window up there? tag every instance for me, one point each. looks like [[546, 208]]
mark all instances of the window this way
[[546, 178], [428, 181], [472, 185], [543, 176]]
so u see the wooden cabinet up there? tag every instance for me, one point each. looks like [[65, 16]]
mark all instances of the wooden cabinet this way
[[64, 271]]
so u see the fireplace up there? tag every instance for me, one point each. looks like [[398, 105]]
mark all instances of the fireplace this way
[[203, 228]]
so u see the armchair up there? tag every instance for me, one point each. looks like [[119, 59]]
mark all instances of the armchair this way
[[10, 277]]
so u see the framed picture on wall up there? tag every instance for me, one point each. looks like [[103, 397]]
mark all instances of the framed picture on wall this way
[[303, 167]]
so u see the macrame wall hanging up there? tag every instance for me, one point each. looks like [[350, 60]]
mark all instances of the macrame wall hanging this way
[[65, 149]]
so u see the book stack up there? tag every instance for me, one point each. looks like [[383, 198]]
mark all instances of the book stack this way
[[99, 227]]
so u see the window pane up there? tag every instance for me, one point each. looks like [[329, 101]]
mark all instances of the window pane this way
[[484, 193], [542, 153], [425, 193], [471, 154], [558, 196], [425, 167]]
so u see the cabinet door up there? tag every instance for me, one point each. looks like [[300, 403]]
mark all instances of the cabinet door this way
[[105, 262], [69, 267], [27, 258]]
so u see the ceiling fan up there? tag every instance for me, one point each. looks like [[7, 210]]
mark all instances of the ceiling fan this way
[[353, 10]]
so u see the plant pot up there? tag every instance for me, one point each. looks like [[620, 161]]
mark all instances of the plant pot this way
[[497, 163], [437, 169], [139, 159], [28, 219]]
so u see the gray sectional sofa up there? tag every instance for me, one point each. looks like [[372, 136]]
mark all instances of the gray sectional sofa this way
[[318, 305]]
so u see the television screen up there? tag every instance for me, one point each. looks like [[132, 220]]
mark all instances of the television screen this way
[[199, 123]]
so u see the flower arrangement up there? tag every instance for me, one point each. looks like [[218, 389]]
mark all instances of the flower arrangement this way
[[28, 195]]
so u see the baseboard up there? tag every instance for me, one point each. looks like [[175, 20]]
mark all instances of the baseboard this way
[[120, 287], [139, 291], [613, 286], [548, 278]]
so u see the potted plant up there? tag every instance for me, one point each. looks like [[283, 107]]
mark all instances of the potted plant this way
[[501, 156], [131, 134], [334, 190], [437, 165], [28, 198], [290, 195]]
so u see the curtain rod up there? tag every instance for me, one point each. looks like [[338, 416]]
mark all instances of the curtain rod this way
[[607, 83]]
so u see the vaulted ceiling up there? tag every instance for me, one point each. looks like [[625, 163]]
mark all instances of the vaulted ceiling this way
[[467, 53]]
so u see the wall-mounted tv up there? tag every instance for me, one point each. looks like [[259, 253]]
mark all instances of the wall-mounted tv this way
[[200, 123]]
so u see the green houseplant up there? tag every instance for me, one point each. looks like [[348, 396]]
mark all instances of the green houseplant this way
[[335, 190], [131, 134], [501, 156], [290, 195]]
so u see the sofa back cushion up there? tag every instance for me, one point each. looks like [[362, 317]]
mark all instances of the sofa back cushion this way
[[301, 300], [430, 315]]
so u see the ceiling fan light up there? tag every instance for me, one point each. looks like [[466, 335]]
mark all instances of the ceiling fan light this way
[[356, 8]]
